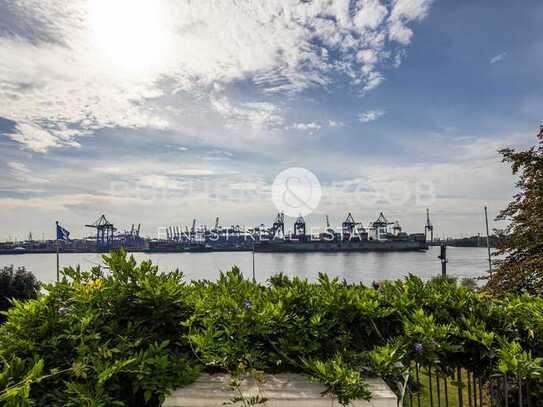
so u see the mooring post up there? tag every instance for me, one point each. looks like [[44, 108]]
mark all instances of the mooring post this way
[[488, 243], [443, 257], [58, 256], [254, 275]]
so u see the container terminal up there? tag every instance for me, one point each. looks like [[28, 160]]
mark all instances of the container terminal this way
[[352, 236]]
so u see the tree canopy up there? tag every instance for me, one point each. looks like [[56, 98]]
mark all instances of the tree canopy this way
[[521, 242]]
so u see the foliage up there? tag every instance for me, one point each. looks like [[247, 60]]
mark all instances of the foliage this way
[[102, 339], [18, 284], [522, 240], [129, 335], [341, 379]]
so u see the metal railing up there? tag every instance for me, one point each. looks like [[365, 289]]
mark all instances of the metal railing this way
[[462, 388]]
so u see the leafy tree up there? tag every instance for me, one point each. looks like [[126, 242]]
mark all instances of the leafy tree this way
[[17, 284], [521, 242]]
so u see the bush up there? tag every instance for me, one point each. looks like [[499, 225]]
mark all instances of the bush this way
[[16, 285], [128, 336]]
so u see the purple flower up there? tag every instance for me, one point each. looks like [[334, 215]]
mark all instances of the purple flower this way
[[418, 348], [62, 311], [247, 305]]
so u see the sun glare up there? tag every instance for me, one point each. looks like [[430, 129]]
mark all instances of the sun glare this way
[[128, 34]]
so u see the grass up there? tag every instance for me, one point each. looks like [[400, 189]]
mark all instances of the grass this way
[[452, 392]]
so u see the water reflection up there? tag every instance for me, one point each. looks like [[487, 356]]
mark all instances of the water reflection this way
[[353, 267]]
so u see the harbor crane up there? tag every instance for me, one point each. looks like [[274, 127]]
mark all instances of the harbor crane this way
[[348, 228], [279, 226], [299, 228], [134, 231], [381, 226], [428, 227], [329, 233], [104, 232], [193, 230], [178, 233], [329, 229]]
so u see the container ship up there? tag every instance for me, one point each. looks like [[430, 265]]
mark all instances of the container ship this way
[[380, 235]]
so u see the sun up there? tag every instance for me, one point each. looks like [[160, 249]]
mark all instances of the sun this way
[[127, 34]]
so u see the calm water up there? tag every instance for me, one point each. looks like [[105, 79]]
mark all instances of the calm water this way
[[353, 267]]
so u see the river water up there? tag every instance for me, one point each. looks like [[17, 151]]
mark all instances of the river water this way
[[353, 267]]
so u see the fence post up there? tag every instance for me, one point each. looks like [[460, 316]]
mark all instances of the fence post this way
[[474, 382], [446, 392], [438, 391], [418, 385], [469, 389], [459, 383], [519, 391], [480, 393], [506, 390], [491, 388], [431, 385]]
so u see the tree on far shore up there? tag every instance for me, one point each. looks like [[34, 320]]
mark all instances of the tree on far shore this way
[[16, 284], [521, 242]]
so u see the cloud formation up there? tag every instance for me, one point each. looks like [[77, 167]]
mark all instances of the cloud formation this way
[[370, 115], [498, 58], [78, 66], [237, 195]]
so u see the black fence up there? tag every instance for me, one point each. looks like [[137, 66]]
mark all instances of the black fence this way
[[462, 388]]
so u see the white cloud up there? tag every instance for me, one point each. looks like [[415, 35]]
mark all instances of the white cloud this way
[[370, 14], [404, 11], [127, 169], [259, 116], [335, 123], [21, 172], [370, 115], [311, 127], [192, 172], [314, 127], [89, 65], [34, 137], [498, 58], [15, 167]]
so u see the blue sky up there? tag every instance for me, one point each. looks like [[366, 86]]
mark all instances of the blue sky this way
[[161, 111]]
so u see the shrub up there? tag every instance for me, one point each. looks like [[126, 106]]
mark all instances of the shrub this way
[[129, 335], [16, 284]]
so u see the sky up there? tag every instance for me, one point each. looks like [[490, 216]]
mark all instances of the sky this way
[[161, 111]]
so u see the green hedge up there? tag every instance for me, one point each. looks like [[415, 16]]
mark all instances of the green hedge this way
[[127, 334], [16, 284]]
